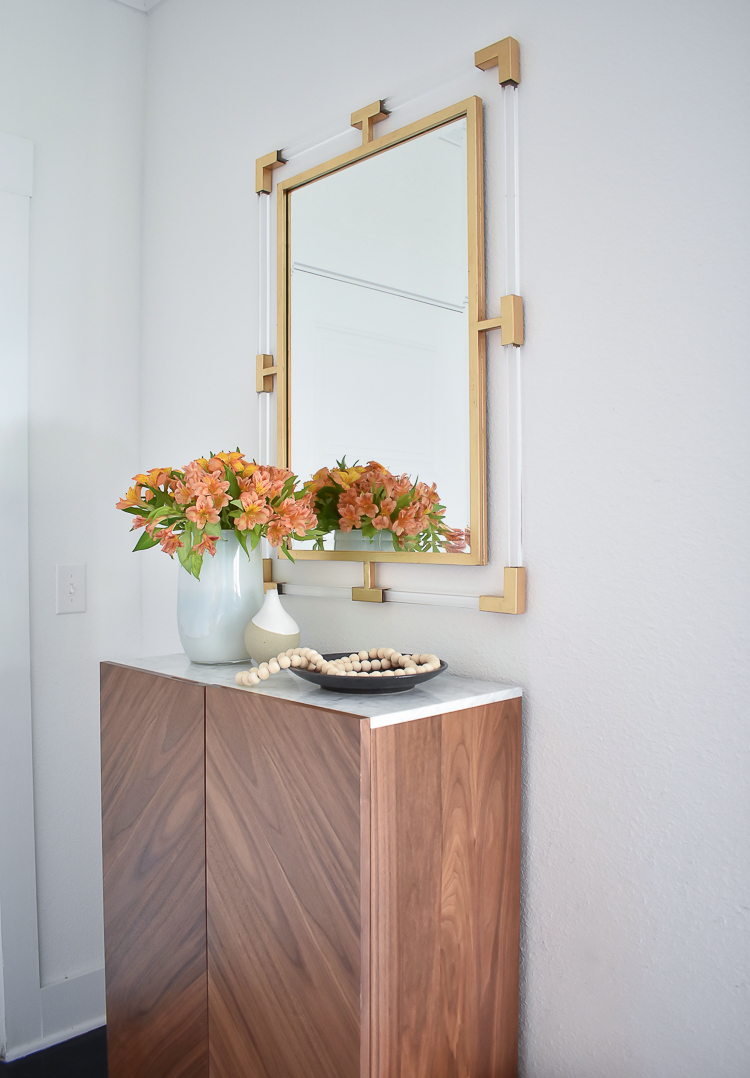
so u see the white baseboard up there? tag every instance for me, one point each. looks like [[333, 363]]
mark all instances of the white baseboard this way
[[69, 1008]]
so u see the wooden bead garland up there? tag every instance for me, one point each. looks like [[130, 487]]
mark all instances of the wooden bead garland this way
[[377, 662]]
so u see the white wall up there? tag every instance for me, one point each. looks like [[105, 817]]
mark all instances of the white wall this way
[[634, 238], [72, 81]]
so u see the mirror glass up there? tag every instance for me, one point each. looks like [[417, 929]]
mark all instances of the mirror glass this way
[[378, 316]]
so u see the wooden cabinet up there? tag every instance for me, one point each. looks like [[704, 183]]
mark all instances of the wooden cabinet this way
[[292, 894]]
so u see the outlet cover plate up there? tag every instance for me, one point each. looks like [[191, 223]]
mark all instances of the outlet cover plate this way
[[70, 589]]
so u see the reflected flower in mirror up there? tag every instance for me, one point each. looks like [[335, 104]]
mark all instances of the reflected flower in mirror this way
[[374, 500]]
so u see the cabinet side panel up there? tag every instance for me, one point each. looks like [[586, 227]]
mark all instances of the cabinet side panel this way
[[283, 878], [154, 875], [445, 899]]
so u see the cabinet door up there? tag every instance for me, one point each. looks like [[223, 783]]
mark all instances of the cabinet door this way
[[283, 888], [154, 875], [446, 799]]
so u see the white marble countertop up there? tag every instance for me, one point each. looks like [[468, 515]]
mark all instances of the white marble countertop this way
[[441, 695]]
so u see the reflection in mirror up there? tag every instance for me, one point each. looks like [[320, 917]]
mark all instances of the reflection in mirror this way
[[379, 326]]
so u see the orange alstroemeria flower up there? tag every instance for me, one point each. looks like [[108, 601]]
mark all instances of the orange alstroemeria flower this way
[[382, 523], [349, 518], [181, 494], [322, 478], [277, 532], [202, 513], [455, 541], [297, 514], [365, 505], [132, 499], [236, 462], [207, 545], [168, 541], [256, 511], [347, 477], [217, 491]]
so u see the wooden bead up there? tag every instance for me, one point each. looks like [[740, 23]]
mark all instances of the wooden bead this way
[[296, 660], [373, 653], [367, 665], [273, 666], [285, 662], [263, 673], [377, 664]]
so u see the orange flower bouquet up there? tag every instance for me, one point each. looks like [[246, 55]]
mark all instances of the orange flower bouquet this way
[[370, 498], [185, 512]]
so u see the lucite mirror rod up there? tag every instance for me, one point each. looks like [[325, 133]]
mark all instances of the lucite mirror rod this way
[[471, 108]]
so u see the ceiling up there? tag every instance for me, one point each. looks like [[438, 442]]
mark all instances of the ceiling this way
[[140, 5]]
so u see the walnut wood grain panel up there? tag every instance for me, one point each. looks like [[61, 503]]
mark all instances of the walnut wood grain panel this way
[[445, 895], [283, 878], [154, 875]]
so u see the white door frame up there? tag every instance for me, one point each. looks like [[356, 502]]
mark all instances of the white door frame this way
[[20, 992]]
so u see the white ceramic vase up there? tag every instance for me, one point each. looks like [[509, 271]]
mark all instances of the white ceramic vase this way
[[355, 540], [212, 612], [271, 631]]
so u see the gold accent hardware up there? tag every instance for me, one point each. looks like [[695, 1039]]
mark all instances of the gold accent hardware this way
[[268, 581], [510, 321], [365, 118], [369, 593], [264, 166], [505, 55], [514, 599], [265, 369], [472, 110]]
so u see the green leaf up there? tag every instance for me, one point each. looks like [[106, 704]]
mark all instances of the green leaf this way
[[242, 540], [234, 487], [196, 562], [145, 542]]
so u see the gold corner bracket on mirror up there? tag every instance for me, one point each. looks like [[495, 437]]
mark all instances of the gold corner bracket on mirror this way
[[366, 118], [368, 593], [510, 322], [505, 55], [264, 166], [265, 371], [513, 601]]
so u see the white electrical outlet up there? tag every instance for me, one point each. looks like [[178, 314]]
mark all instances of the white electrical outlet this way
[[70, 589]]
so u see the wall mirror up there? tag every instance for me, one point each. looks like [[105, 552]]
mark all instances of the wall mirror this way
[[381, 292]]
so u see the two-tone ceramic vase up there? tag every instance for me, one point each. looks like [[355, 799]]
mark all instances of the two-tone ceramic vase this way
[[271, 631]]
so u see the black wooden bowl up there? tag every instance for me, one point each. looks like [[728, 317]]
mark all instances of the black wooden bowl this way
[[336, 683]]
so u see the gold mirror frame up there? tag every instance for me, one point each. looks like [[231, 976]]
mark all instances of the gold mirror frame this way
[[471, 108]]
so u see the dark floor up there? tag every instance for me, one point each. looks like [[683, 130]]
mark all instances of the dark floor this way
[[82, 1057]]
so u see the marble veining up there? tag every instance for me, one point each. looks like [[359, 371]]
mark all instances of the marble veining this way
[[443, 694]]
